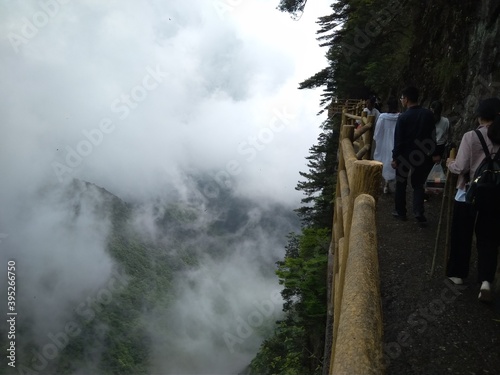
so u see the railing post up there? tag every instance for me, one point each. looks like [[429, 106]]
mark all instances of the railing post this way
[[359, 177], [358, 344], [368, 175]]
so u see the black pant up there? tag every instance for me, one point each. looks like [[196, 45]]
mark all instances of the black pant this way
[[440, 150], [419, 170], [487, 242], [487, 228], [462, 229]]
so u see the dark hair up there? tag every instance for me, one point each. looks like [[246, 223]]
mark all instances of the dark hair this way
[[488, 109], [437, 108], [411, 93], [392, 105], [371, 100], [494, 130]]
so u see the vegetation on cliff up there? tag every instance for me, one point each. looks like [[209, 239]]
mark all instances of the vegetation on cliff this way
[[297, 344]]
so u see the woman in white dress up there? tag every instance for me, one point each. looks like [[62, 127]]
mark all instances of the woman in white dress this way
[[384, 141]]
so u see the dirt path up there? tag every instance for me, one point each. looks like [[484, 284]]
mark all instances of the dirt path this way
[[430, 325]]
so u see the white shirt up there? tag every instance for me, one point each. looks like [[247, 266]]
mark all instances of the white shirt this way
[[373, 112], [384, 143], [442, 131]]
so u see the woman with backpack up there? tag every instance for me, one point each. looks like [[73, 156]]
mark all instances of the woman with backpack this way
[[466, 218]]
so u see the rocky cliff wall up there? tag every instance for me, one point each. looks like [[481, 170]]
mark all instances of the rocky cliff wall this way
[[483, 68], [454, 55]]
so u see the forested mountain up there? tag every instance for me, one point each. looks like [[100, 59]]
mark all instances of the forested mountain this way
[[182, 283], [449, 50]]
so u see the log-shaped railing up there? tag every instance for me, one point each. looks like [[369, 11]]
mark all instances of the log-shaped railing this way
[[355, 305], [353, 106]]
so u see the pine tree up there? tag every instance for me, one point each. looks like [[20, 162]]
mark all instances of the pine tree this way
[[294, 7], [297, 346], [317, 210]]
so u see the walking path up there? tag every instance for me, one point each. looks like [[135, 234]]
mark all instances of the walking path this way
[[431, 326]]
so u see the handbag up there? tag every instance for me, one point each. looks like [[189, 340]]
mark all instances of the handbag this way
[[436, 180]]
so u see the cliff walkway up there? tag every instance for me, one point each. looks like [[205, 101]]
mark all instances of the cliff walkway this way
[[392, 309]]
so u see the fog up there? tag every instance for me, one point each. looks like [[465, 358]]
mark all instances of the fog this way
[[140, 98]]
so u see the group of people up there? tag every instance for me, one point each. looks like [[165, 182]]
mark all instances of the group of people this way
[[409, 144], [388, 154]]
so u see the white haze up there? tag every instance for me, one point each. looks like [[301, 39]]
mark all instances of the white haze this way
[[132, 96]]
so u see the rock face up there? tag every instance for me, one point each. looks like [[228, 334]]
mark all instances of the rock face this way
[[483, 79], [454, 55]]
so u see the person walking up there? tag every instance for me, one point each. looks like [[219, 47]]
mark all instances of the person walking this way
[[414, 154], [465, 218], [442, 127], [370, 108], [384, 141]]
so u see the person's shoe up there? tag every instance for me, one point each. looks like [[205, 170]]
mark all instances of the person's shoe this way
[[421, 220], [386, 189], [485, 292], [398, 216], [456, 280]]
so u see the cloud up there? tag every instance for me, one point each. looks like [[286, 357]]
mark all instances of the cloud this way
[[221, 316], [57, 237], [143, 98], [217, 82]]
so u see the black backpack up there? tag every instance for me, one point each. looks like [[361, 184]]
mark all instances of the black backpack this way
[[484, 189]]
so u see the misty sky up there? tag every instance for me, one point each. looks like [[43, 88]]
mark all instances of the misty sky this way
[[124, 93], [132, 96]]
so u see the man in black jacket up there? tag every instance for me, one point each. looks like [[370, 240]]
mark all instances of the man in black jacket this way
[[413, 154]]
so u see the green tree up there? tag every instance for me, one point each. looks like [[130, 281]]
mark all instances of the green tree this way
[[317, 209], [293, 7], [297, 344]]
